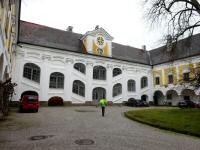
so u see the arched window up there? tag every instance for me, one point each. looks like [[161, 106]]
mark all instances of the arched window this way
[[56, 80], [99, 73], [117, 89], [116, 71], [78, 88], [80, 67], [98, 93], [144, 82], [131, 85], [32, 72]]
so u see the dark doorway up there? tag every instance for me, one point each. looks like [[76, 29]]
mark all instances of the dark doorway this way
[[158, 98], [144, 98]]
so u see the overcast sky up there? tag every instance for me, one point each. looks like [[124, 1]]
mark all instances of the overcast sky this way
[[122, 19]]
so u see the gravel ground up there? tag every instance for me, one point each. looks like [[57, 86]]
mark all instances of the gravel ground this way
[[62, 126]]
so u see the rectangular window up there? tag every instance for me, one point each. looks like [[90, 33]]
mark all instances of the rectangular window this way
[[157, 81], [186, 76], [170, 79]]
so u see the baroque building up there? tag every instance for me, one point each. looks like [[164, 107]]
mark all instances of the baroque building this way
[[81, 69], [8, 36]]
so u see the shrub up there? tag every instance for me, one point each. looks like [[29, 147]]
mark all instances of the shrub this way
[[55, 101]]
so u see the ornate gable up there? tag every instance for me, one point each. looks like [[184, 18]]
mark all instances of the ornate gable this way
[[98, 42]]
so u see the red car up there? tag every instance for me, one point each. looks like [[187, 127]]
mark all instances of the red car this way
[[29, 101]]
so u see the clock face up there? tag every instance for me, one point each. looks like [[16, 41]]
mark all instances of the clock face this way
[[100, 41]]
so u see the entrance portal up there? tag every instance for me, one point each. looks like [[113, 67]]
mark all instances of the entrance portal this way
[[98, 93], [158, 98]]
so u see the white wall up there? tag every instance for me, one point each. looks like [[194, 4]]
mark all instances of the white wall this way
[[53, 60]]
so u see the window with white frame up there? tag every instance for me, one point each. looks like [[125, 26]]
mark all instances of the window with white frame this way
[[80, 67], [32, 72], [78, 88], [144, 82], [116, 72], [56, 80], [117, 89], [131, 85], [99, 73]]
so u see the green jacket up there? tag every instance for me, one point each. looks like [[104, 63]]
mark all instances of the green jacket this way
[[103, 102]]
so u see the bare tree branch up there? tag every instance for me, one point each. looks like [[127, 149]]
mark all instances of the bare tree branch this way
[[180, 16]]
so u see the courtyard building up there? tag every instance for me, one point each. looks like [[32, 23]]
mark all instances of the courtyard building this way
[[82, 69]]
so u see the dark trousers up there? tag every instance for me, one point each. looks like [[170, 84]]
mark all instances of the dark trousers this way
[[103, 111]]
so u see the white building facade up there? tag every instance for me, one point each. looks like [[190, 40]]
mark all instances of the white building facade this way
[[52, 60], [81, 69]]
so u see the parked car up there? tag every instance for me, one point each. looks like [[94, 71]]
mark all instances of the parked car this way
[[198, 104], [186, 104], [131, 102], [137, 103], [29, 102], [167, 103], [142, 103]]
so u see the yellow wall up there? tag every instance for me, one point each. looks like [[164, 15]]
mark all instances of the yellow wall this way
[[6, 22], [164, 80], [157, 73], [170, 70], [105, 49], [187, 66]]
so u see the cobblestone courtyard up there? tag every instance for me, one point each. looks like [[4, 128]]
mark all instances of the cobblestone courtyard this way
[[61, 127]]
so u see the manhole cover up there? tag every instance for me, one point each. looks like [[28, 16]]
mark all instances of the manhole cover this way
[[40, 137], [84, 142]]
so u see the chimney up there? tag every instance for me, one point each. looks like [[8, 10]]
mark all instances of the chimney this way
[[97, 27], [144, 47], [70, 28]]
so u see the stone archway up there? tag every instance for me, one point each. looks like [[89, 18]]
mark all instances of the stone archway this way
[[144, 98], [158, 98], [188, 94], [56, 101], [29, 93], [172, 97], [98, 93]]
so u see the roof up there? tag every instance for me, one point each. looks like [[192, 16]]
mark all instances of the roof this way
[[130, 54], [41, 35], [184, 48]]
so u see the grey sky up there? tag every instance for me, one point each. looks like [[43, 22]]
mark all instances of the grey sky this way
[[122, 19]]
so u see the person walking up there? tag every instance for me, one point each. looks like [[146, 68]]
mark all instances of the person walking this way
[[103, 103]]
